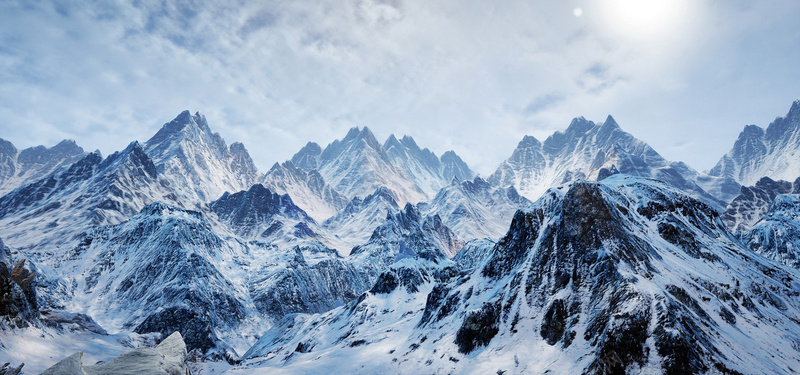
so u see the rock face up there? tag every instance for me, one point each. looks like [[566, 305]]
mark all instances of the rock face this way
[[618, 276], [582, 152], [777, 234], [17, 292], [761, 153], [257, 212], [18, 168], [167, 358], [753, 202]]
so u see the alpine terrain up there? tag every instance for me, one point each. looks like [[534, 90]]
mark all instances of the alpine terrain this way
[[587, 253]]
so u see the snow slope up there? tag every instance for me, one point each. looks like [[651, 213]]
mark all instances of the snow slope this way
[[476, 209], [428, 171], [197, 163], [308, 190], [47, 214], [626, 275]]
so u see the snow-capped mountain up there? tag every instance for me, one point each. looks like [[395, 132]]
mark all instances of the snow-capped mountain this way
[[21, 167], [51, 211], [476, 209], [354, 224], [403, 259], [307, 188], [626, 275], [753, 202], [167, 270], [777, 234], [357, 165], [198, 164], [758, 153], [428, 171], [407, 234], [581, 152]]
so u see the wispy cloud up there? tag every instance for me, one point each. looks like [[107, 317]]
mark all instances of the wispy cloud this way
[[465, 75]]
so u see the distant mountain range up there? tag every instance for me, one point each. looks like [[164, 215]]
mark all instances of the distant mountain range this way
[[585, 253]]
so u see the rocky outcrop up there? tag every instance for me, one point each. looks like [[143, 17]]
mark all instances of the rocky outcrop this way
[[753, 202], [168, 358], [17, 291]]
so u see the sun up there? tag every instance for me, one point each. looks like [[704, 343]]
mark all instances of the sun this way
[[644, 20]]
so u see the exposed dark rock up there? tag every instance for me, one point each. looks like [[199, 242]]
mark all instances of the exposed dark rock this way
[[554, 322], [478, 329]]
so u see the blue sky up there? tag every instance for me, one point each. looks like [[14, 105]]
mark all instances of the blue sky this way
[[472, 76]]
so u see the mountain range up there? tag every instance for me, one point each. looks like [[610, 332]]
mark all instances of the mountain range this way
[[586, 253]]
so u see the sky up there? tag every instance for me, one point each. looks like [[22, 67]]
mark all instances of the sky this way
[[685, 76]]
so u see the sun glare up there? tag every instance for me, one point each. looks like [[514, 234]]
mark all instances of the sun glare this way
[[644, 20]]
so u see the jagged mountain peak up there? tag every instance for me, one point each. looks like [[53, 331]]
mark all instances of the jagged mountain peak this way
[[474, 208], [308, 189], [758, 152], [751, 131], [134, 154], [363, 136], [183, 125], [383, 193], [529, 141], [407, 233], [199, 163], [357, 164], [391, 142], [779, 128], [259, 212], [610, 123], [7, 148], [42, 154], [579, 125], [21, 167], [185, 131], [582, 151], [238, 148], [308, 156]]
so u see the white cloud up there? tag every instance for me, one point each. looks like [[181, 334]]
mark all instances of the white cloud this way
[[465, 75]]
